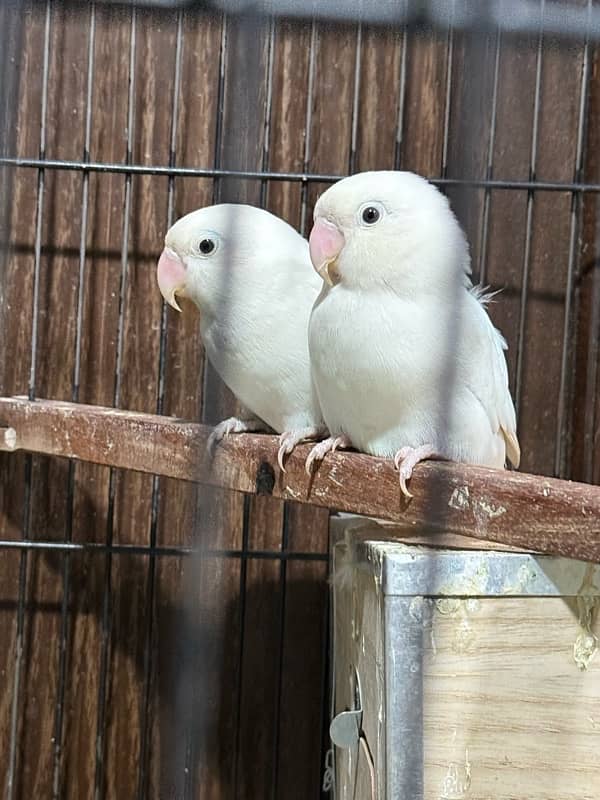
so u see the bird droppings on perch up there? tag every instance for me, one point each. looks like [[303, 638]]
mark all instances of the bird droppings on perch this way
[[586, 644], [465, 583], [524, 576], [9, 439], [457, 781], [542, 514], [460, 500]]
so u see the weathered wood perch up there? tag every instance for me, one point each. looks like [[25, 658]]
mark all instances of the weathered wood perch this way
[[528, 511]]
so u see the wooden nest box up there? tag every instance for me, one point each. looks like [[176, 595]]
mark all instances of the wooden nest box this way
[[462, 674]]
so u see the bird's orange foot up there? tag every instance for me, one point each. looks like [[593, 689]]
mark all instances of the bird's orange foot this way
[[233, 425], [320, 450], [407, 458], [289, 439]]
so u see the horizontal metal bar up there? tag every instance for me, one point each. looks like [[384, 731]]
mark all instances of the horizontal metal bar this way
[[100, 548], [182, 172], [302, 177], [557, 17], [527, 511]]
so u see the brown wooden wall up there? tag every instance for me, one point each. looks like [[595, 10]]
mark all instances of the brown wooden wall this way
[[145, 672]]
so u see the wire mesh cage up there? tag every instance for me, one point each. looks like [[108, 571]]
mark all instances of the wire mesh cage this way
[[164, 640]]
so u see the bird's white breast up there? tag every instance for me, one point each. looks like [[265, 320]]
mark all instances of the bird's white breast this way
[[263, 358], [383, 369]]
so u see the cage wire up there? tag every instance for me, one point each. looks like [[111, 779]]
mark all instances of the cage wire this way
[[187, 653]]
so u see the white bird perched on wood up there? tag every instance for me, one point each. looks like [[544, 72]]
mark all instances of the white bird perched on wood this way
[[405, 359], [249, 274]]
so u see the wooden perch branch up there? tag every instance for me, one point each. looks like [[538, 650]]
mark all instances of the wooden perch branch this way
[[543, 514]]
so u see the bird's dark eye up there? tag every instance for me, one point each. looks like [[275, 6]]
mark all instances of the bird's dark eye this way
[[206, 247], [370, 215]]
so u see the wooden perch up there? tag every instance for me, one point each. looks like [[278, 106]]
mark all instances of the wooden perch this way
[[527, 511]]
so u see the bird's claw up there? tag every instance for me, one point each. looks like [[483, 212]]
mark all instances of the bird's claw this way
[[289, 439], [219, 432], [320, 450], [406, 460], [400, 456], [286, 445], [316, 454], [231, 425], [405, 475]]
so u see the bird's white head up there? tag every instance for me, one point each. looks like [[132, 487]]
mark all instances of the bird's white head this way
[[205, 250], [387, 228]]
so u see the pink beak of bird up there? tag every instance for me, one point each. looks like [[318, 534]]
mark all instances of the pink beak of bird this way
[[325, 244], [171, 276]]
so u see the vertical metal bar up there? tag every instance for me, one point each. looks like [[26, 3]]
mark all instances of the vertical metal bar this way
[[186, 750], [247, 505], [174, 132], [401, 92], [84, 203], [528, 230], [99, 778], [285, 532], [142, 791], [490, 165], [308, 124], [562, 423], [126, 209], [268, 109], [217, 164], [254, 25], [355, 100], [64, 617], [448, 99], [39, 212], [220, 113], [593, 363], [11, 781], [242, 618], [328, 681]]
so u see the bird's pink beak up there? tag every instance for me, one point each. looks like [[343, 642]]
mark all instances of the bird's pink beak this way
[[325, 244], [171, 276]]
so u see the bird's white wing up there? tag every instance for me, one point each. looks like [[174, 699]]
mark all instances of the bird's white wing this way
[[487, 376]]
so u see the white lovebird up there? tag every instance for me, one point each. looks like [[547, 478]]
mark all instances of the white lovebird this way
[[249, 274], [405, 359]]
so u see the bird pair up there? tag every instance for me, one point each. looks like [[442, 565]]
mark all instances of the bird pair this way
[[385, 346]]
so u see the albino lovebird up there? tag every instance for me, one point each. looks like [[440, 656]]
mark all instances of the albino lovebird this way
[[249, 274], [405, 360]]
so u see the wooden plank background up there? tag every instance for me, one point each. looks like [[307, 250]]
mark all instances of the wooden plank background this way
[[168, 677]]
